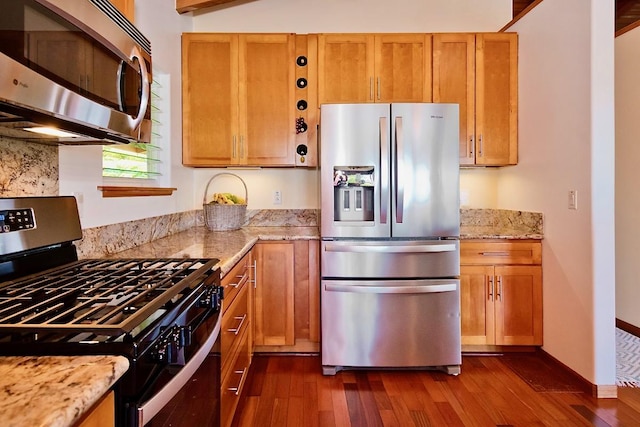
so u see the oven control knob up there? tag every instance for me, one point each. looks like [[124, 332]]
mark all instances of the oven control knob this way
[[184, 336]]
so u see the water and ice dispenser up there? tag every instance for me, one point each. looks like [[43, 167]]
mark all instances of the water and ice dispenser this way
[[353, 189]]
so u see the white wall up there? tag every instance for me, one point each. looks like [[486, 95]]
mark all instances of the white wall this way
[[81, 167], [627, 53], [566, 117]]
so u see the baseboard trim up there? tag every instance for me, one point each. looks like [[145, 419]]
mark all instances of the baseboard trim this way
[[628, 327], [597, 391]]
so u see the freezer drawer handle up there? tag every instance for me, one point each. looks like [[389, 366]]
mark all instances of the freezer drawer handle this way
[[411, 289], [391, 249]]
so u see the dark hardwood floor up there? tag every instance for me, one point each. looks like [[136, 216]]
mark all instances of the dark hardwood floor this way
[[291, 391]]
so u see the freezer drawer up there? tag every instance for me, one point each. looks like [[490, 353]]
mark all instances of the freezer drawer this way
[[387, 258], [391, 323]]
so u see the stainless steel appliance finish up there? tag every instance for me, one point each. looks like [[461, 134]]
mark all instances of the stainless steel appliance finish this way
[[162, 314], [77, 65], [390, 288]]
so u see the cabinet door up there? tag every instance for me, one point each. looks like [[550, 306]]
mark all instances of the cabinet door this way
[[497, 99], [454, 82], [518, 305], [274, 297], [345, 68], [477, 305], [402, 68], [209, 99], [127, 7], [267, 99]]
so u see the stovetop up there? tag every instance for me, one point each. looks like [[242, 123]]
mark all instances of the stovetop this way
[[100, 296]]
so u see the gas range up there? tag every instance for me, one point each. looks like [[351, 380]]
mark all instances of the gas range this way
[[162, 314]]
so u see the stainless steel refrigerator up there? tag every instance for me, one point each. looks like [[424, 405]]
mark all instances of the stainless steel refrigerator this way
[[390, 225]]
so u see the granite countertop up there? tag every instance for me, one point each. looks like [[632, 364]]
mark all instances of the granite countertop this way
[[228, 246], [54, 391], [495, 232]]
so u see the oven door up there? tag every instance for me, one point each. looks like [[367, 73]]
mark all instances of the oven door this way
[[189, 394]]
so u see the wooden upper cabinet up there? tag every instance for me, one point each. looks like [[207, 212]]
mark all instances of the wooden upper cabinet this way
[[480, 73], [345, 68], [267, 99], [127, 8], [209, 99], [497, 98], [403, 68], [374, 68], [238, 99]]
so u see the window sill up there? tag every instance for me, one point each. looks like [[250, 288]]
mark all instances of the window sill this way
[[117, 191]]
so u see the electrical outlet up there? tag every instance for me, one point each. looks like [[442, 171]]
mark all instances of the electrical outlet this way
[[277, 197], [573, 199]]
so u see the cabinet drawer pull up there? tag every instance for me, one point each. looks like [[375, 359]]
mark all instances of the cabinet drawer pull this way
[[499, 293], [236, 390], [236, 330], [495, 253], [240, 282]]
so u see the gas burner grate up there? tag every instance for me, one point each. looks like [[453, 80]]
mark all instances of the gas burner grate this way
[[102, 296]]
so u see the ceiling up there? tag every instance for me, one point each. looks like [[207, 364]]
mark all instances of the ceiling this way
[[627, 12]]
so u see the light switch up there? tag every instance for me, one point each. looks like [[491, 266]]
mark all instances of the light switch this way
[[573, 199]]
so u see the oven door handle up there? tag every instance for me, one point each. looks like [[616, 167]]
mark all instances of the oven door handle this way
[[151, 407]]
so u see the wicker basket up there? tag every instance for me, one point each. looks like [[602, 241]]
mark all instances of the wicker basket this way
[[224, 217]]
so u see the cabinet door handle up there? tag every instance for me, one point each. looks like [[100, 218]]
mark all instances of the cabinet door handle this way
[[470, 146], [255, 273], [481, 145], [379, 91], [242, 146], [499, 294], [233, 155], [236, 390], [371, 88], [236, 330], [490, 288]]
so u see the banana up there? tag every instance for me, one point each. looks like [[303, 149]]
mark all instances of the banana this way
[[227, 199]]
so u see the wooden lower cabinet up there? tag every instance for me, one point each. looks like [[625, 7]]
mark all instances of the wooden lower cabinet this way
[[287, 306], [235, 335], [101, 415], [501, 293]]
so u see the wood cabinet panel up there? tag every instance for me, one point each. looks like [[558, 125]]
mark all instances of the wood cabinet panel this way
[[403, 68], [501, 295], [101, 415], [267, 99], [238, 99], [209, 99], [233, 383], [374, 68], [274, 295], [345, 68], [480, 72]]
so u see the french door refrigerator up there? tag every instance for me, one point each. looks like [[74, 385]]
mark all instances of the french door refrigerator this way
[[390, 226]]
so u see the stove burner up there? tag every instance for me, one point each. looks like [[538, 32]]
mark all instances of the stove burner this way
[[109, 297]]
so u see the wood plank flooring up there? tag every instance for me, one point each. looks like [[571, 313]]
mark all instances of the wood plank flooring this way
[[291, 391]]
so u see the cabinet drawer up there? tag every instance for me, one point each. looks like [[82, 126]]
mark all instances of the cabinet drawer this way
[[233, 383], [494, 253], [235, 279], [234, 322]]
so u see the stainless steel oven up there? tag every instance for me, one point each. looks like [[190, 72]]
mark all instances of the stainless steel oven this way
[[162, 314]]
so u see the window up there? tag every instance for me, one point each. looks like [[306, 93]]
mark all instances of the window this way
[[141, 161]]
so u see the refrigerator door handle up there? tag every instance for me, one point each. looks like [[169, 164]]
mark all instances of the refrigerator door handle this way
[[409, 289], [391, 249], [399, 167], [384, 170]]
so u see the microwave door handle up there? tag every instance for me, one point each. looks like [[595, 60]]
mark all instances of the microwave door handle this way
[[399, 167], [384, 169], [120, 85], [146, 91]]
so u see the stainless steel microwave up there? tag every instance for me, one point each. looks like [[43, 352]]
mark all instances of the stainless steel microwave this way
[[76, 66]]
